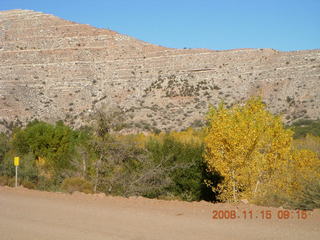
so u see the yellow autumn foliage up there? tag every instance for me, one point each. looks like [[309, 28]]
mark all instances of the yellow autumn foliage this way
[[188, 136], [139, 139], [252, 150], [42, 167], [305, 166], [308, 142]]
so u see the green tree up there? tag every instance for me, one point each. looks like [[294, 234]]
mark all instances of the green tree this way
[[52, 146], [4, 146]]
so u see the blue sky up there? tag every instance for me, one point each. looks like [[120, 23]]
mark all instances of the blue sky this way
[[225, 24]]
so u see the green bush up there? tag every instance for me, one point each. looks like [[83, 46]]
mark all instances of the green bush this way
[[27, 170], [303, 127], [150, 166], [163, 167], [4, 146], [184, 167], [71, 185], [54, 143]]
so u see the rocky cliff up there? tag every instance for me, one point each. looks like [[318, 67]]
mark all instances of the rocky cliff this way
[[52, 69]]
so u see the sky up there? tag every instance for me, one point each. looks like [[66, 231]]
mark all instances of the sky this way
[[285, 25]]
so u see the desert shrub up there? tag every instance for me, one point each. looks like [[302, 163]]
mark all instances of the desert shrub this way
[[108, 120], [71, 185], [4, 146], [303, 127], [309, 142], [12, 182], [6, 166], [3, 180], [154, 166], [28, 170], [310, 196], [272, 199], [45, 183], [182, 159], [9, 181], [121, 166], [28, 184]]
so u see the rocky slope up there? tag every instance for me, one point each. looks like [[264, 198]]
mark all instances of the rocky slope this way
[[53, 69]]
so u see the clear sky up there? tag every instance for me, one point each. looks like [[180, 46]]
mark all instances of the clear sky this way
[[217, 24]]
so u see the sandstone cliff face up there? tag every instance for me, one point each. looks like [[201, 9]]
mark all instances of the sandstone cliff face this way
[[53, 69]]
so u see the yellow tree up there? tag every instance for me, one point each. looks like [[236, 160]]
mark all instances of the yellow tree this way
[[248, 146], [304, 168]]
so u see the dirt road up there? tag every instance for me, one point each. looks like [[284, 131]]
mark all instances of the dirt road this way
[[34, 215]]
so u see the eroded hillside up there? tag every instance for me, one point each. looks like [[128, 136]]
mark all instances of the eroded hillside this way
[[55, 69]]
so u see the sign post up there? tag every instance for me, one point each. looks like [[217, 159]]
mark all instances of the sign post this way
[[16, 164]]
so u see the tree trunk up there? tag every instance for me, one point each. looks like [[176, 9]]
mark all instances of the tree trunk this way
[[84, 167], [256, 188], [97, 174], [234, 187]]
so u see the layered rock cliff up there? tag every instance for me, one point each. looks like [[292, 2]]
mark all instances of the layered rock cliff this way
[[52, 69]]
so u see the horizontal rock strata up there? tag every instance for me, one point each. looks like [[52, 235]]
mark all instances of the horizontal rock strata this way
[[54, 69]]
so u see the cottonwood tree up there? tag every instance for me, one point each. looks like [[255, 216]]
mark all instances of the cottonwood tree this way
[[248, 146]]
